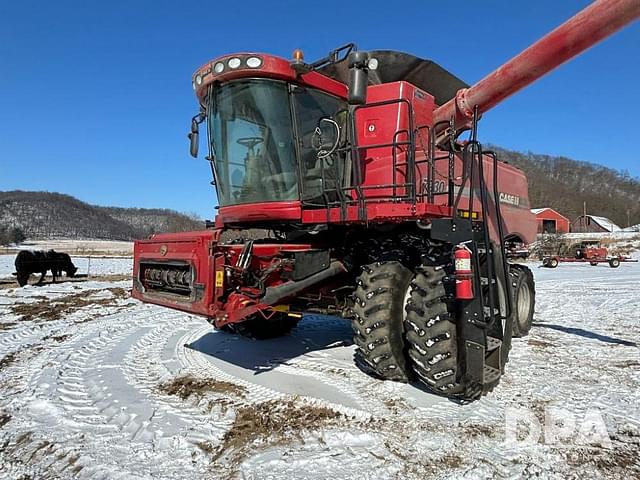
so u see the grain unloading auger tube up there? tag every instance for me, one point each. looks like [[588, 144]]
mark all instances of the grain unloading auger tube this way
[[593, 24], [374, 208]]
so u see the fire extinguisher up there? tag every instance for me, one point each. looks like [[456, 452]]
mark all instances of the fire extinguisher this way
[[464, 275]]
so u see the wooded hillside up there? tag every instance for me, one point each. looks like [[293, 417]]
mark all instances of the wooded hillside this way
[[55, 215], [564, 184]]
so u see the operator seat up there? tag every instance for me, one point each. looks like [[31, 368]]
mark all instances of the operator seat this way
[[253, 187]]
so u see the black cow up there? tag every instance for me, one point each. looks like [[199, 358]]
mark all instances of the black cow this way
[[28, 262]]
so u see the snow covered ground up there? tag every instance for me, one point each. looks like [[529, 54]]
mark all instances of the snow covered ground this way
[[96, 385], [80, 247], [86, 265]]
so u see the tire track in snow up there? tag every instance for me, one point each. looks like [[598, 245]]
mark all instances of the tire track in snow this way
[[85, 380], [17, 338], [144, 368]]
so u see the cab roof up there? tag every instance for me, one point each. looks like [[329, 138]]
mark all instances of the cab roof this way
[[396, 66]]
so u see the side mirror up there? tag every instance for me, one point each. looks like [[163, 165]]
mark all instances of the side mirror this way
[[194, 137], [358, 77]]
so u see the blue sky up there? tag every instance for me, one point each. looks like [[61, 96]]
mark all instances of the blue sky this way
[[96, 96]]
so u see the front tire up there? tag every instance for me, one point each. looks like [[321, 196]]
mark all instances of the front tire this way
[[523, 299], [614, 263], [431, 332], [379, 302]]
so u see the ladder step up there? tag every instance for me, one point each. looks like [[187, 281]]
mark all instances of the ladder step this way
[[493, 343], [490, 374], [487, 312], [485, 281]]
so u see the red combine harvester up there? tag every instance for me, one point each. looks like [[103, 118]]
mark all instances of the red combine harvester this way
[[590, 251], [380, 211]]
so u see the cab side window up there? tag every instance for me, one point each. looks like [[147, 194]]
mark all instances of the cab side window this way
[[320, 175]]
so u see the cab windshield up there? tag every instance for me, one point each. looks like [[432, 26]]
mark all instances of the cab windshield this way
[[251, 129]]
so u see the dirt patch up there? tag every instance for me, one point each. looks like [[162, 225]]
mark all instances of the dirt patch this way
[[119, 292], [396, 404], [7, 283], [187, 386], [479, 430], [536, 342], [57, 338], [115, 277], [4, 419], [623, 460], [338, 371], [27, 451], [269, 424], [25, 353], [55, 309], [416, 465], [451, 460], [7, 360], [626, 363]]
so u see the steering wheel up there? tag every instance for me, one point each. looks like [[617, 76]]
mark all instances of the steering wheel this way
[[250, 142]]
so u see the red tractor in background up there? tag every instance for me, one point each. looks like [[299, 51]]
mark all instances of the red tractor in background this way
[[590, 251], [378, 209]]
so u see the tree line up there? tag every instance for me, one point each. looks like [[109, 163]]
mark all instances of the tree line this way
[[566, 185], [10, 236], [54, 215]]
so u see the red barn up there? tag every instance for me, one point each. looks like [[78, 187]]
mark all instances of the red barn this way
[[593, 224], [550, 221]]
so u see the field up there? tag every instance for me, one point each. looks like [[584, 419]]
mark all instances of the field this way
[[77, 247], [94, 384]]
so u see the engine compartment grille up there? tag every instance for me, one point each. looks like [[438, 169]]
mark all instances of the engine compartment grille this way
[[168, 277]]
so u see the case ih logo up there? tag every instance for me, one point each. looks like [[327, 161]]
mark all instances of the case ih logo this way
[[439, 186], [510, 199]]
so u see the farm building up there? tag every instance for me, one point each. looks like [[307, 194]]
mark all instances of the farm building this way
[[593, 224], [550, 221]]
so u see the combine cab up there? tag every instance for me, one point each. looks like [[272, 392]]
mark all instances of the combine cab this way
[[380, 203]]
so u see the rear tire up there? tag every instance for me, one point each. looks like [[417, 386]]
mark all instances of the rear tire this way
[[553, 263], [614, 263], [259, 328], [379, 302], [431, 333], [523, 297]]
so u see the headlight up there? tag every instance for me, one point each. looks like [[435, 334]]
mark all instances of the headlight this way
[[218, 67], [254, 62], [233, 62], [198, 80]]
